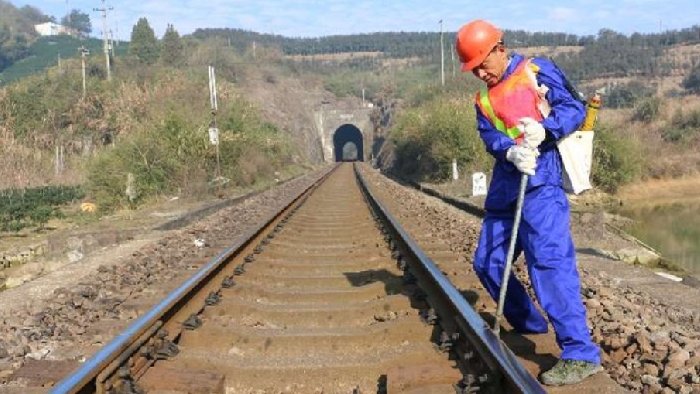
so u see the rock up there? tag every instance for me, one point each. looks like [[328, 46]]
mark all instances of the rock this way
[[638, 256], [605, 292], [649, 380], [74, 256], [655, 388], [676, 380], [39, 354], [691, 281], [618, 355], [5, 374], [593, 303], [644, 343], [651, 369], [660, 339], [617, 343], [693, 362], [678, 359]]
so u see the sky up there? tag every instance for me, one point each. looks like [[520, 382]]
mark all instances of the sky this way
[[315, 18]]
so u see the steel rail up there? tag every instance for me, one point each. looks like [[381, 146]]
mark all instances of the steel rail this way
[[83, 379], [516, 379]]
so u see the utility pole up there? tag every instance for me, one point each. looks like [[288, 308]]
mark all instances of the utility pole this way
[[84, 52], [454, 69], [442, 57], [111, 43], [105, 33]]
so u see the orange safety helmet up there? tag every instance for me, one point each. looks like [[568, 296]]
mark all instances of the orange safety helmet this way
[[475, 40]]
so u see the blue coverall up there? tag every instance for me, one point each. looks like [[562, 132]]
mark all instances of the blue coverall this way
[[544, 235]]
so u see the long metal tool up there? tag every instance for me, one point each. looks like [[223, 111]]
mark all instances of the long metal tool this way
[[509, 256]]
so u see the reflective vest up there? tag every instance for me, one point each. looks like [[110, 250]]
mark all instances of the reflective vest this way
[[512, 99]]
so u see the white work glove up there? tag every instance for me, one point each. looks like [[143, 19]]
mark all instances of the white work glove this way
[[524, 158], [533, 130]]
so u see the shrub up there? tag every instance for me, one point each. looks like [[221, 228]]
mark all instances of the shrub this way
[[647, 110], [165, 158], [429, 137], [682, 126], [692, 81], [626, 95], [20, 208], [616, 160]]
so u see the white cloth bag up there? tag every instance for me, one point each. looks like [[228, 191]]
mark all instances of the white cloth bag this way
[[576, 151]]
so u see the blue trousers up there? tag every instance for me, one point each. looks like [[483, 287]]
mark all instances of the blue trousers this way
[[545, 238]]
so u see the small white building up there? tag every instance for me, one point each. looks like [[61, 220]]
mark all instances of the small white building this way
[[52, 29]]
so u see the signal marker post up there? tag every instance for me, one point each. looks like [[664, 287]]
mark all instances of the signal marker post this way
[[213, 129]]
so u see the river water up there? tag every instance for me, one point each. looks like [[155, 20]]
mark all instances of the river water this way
[[673, 229]]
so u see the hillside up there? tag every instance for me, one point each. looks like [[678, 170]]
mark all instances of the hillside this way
[[17, 31], [45, 52], [271, 85]]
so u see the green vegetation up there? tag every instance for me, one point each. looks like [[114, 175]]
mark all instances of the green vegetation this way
[[172, 51], [17, 31], [144, 44], [148, 127], [430, 136], [20, 208], [78, 21], [684, 126], [45, 52], [626, 95], [616, 160], [176, 156], [692, 81], [647, 110]]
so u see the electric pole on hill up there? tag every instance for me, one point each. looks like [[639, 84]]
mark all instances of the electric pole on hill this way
[[442, 57], [105, 34], [83, 52]]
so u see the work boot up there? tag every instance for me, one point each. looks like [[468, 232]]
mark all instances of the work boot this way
[[569, 372]]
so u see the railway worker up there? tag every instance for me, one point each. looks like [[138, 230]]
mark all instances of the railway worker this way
[[522, 111]]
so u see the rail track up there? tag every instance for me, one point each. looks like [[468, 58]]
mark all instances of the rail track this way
[[329, 295]]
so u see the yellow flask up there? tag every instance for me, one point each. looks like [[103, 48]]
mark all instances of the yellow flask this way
[[592, 108]]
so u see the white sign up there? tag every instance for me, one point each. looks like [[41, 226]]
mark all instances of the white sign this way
[[455, 171], [214, 135], [478, 184]]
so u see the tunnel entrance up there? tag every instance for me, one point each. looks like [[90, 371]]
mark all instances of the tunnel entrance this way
[[348, 144]]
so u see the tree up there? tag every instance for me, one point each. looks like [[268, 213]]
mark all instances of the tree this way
[[171, 52], [144, 44], [78, 21]]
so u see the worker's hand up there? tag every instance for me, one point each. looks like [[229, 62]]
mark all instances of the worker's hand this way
[[533, 130], [524, 158]]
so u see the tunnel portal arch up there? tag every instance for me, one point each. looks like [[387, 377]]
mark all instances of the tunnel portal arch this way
[[344, 135]]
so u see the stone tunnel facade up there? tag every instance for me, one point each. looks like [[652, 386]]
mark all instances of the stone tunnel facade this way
[[338, 128]]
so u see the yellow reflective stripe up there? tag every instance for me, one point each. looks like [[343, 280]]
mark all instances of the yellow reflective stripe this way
[[486, 104], [512, 132]]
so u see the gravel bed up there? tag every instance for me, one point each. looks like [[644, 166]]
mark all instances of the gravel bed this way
[[649, 345], [70, 317]]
